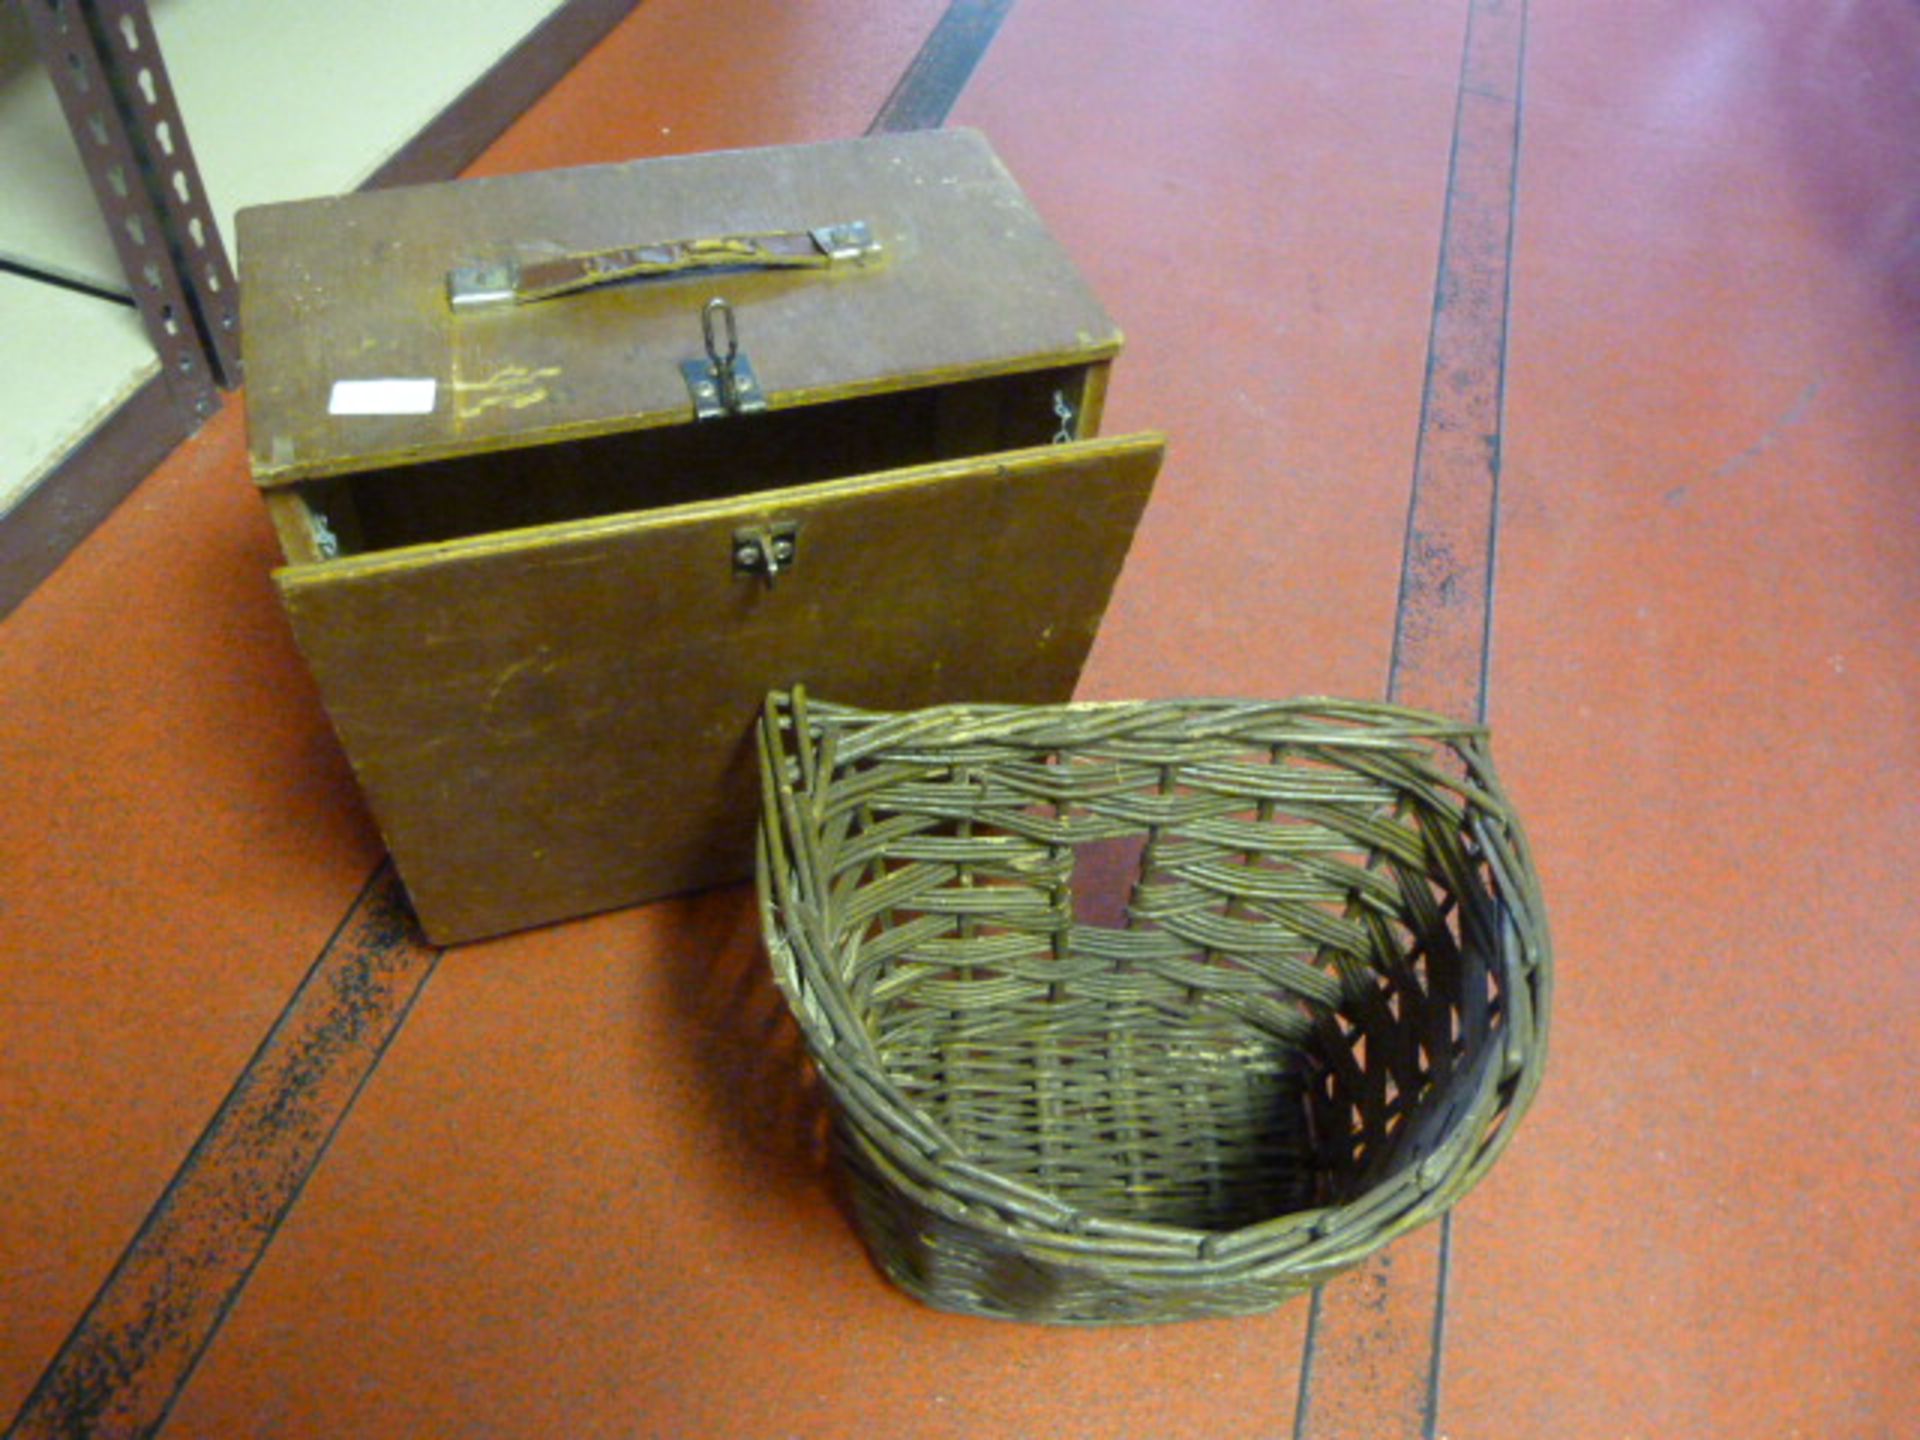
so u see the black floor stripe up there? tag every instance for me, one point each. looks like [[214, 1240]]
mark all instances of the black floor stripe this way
[[1303, 1388], [933, 82], [1437, 1352], [124, 1365], [1441, 654]]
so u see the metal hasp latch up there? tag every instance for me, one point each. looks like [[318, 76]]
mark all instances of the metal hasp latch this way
[[766, 550], [724, 383]]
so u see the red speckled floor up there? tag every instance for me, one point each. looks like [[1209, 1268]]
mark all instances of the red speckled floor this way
[[573, 1198]]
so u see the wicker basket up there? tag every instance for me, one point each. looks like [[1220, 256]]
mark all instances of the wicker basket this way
[[1313, 1027]]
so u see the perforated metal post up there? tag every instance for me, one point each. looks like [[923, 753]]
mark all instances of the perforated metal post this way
[[106, 67]]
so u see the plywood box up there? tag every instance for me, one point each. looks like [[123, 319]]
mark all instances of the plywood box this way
[[543, 596]]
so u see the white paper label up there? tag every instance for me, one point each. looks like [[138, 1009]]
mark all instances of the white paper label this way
[[382, 397]]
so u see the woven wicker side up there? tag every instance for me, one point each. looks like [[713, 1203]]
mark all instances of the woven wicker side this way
[[1314, 1026]]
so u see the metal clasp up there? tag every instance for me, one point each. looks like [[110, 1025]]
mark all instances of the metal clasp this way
[[724, 383], [766, 550]]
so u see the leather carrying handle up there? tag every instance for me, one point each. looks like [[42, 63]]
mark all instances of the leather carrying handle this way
[[512, 282]]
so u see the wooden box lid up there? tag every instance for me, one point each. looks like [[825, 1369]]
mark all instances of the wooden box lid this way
[[968, 283]]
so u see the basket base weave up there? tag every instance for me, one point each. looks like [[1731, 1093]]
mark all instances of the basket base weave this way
[[1150, 1121], [1197, 1125]]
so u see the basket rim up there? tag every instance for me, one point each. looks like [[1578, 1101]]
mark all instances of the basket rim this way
[[1361, 718]]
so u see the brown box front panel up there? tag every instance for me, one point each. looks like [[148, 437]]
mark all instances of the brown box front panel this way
[[555, 721]]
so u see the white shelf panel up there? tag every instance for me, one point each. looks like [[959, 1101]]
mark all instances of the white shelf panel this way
[[282, 99], [66, 362], [48, 220]]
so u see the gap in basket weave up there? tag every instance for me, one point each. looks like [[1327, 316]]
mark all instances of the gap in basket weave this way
[[1104, 872]]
